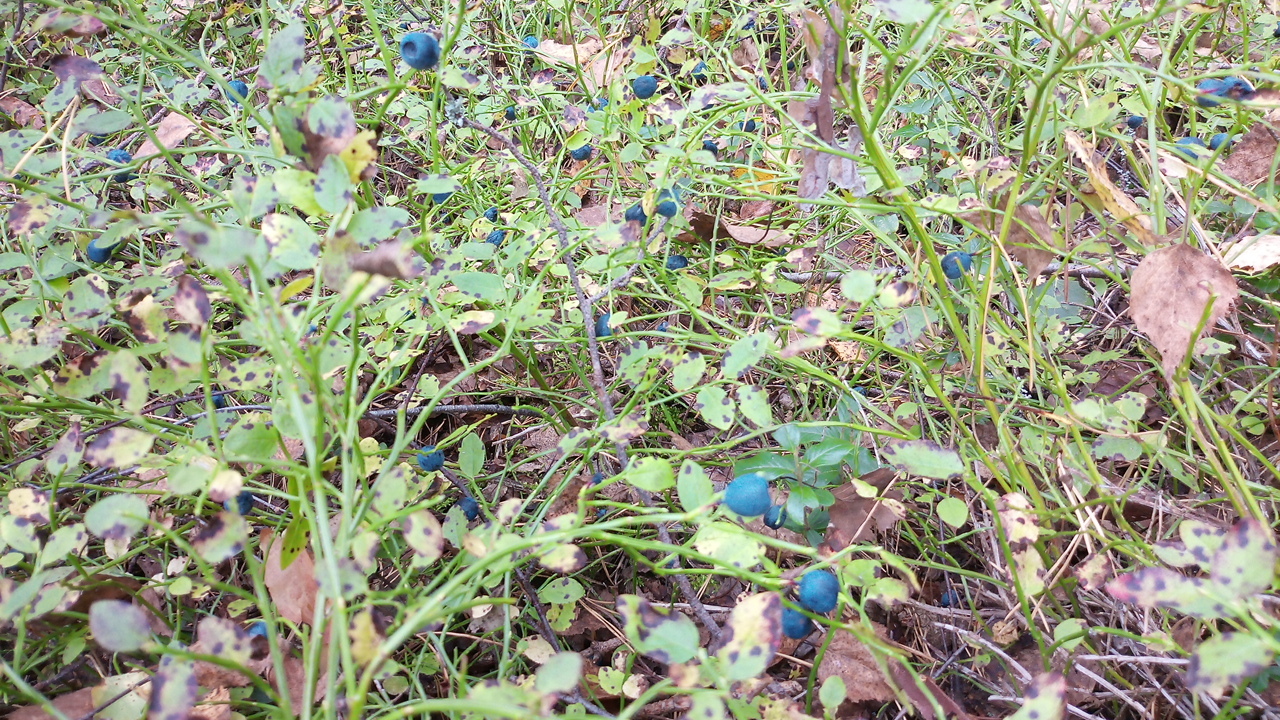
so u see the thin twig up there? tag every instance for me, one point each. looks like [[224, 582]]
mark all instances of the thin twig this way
[[461, 410]]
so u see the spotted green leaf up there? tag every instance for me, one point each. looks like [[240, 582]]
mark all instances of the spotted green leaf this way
[[373, 225], [693, 486], [650, 473], [688, 371], [668, 637], [1164, 588], [66, 540], [31, 213], [1228, 659], [1045, 699], [744, 354], [28, 347], [290, 244], [222, 537], [422, 533], [216, 245], [752, 636], [119, 625], [817, 321], [563, 558], [753, 403], [66, 453], [561, 591], [390, 491], [333, 186], [715, 407], [1245, 562], [129, 380], [282, 64], [174, 689], [924, 458], [728, 544], [29, 505], [224, 639], [117, 516]]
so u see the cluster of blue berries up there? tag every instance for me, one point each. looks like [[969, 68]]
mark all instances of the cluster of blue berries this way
[[748, 495]]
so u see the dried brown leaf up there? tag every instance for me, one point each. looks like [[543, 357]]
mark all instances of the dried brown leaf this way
[[1171, 290], [76, 704], [706, 226], [922, 698], [23, 113], [172, 130], [1254, 157], [575, 55], [1120, 205], [850, 659], [293, 589], [1254, 254]]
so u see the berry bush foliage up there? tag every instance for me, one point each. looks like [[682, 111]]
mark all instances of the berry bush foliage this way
[[505, 359]]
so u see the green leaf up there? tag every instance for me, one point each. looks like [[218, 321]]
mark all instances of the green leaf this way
[[471, 456], [728, 544], [129, 380], [1046, 699], [560, 673], [1245, 562], [422, 533], [224, 639], [296, 537], [563, 558], [25, 348], [753, 636], [119, 625], [373, 225], [1069, 628], [561, 591], [297, 188], [668, 637], [832, 692], [221, 538], [859, 285], [390, 491], [333, 189], [715, 407], [282, 63], [650, 473], [1229, 659], [906, 11], [953, 511], [693, 486], [290, 244], [117, 517], [744, 354], [1163, 588], [753, 403], [817, 321], [924, 458]]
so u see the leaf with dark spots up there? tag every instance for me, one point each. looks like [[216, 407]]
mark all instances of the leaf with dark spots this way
[[1229, 659], [221, 538], [390, 259], [74, 68], [1244, 563], [1046, 699], [174, 689], [29, 505], [191, 302], [563, 558], [330, 128], [1164, 588], [30, 214], [925, 459], [223, 639], [119, 625], [119, 448], [666, 637], [422, 533], [752, 636]]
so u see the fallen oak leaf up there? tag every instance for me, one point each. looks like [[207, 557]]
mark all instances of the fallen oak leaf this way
[[1173, 290]]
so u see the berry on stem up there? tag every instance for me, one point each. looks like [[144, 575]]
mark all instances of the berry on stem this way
[[711, 147], [1188, 146], [795, 624], [242, 503], [748, 495], [602, 326], [510, 113], [496, 237], [491, 214], [677, 262], [98, 253], [440, 197], [420, 50], [699, 73], [956, 263], [237, 91], [530, 41], [644, 86], [1221, 140], [775, 516], [635, 213], [580, 153], [1135, 121], [470, 508], [666, 206], [430, 459], [819, 591]]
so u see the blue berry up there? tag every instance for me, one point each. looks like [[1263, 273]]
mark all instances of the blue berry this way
[[97, 140], [748, 126], [491, 214], [662, 326], [1209, 87], [1221, 140], [430, 459], [775, 516], [220, 401], [598, 104], [597, 478], [1276, 32], [763, 82], [635, 213], [644, 86], [1187, 147], [420, 50], [1236, 88], [699, 73], [237, 91], [98, 253], [1135, 121], [258, 629], [677, 262], [440, 197], [530, 41], [470, 508], [242, 503], [819, 590], [956, 263], [602, 326], [496, 237], [120, 156], [795, 624], [711, 147], [950, 598], [580, 153], [748, 495], [510, 113], [667, 206]]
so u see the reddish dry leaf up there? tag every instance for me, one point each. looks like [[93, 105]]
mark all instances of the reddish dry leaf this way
[[706, 226], [76, 704], [22, 112], [1120, 205], [1254, 156], [1030, 240], [172, 130], [854, 519], [848, 658], [293, 589], [1172, 288], [923, 698]]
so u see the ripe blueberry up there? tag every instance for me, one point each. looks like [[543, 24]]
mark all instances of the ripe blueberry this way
[[1187, 147], [711, 147], [775, 516], [763, 82], [470, 508], [1221, 140], [666, 206], [644, 86], [662, 326], [120, 156], [699, 73], [96, 140], [258, 629], [580, 153], [1207, 88], [530, 41], [496, 237], [748, 126], [237, 91], [491, 214], [950, 598], [819, 590], [602, 326], [510, 113], [597, 478], [220, 401], [1135, 121], [98, 253], [420, 50], [1276, 32], [795, 624], [748, 495], [440, 197], [677, 262], [635, 213], [430, 459], [956, 263], [242, 503]]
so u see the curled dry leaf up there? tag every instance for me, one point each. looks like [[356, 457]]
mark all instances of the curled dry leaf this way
[[293, 589], [1254, 254], [1120, 205], [172, 130], [706, 226], [1172, 290], [850, 659], [574, 55], [21, 112], [1030, 240]]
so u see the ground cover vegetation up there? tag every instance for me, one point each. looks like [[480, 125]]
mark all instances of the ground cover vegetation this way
[[877, 358]]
